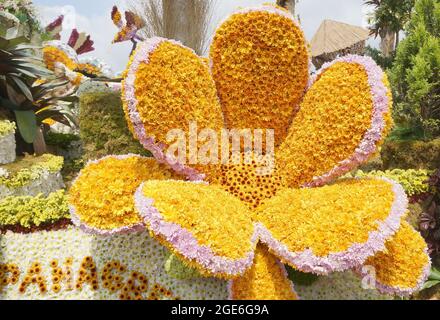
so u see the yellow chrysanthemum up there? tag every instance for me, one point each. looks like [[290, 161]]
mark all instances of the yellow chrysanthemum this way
[[53, 55], [246, 221]]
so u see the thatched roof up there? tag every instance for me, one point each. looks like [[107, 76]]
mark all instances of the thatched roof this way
[[333, 36]]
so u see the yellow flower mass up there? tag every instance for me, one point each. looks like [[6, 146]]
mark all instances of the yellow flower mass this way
[[333, 118], [260, 66], [102, 196], [175, 85], [52, 55], [265, 280], [403, 261], [215, 218], [327, 219]]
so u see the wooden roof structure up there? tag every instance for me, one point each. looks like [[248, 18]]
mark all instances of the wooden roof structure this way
[[333, 36]]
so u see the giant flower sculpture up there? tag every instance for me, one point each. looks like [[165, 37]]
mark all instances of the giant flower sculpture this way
[[237, 224]]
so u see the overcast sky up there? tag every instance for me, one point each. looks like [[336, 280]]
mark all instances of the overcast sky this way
[[93, 16]]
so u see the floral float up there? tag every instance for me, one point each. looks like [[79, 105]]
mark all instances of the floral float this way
[[128, 30], [229, 222], [64, 58]]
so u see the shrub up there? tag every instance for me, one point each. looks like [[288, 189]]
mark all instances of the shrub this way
[[103, 128], [411, 154]]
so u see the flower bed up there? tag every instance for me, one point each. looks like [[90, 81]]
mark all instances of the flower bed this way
[[31, 176], [7, 142], [28, 211], [68, 264]]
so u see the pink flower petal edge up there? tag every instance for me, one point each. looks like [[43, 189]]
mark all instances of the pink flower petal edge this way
[[186, 244], [354, 256], [142, 55], [76, 220], [399, 291], [368, 145]]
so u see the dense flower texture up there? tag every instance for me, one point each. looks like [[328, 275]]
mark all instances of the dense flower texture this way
[[64, 57], [240, 226]]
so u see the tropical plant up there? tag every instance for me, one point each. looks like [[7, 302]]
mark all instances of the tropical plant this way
[[184, 20], [387, 20], [44, 105], [415, 73], [378, 56], [23, 96]]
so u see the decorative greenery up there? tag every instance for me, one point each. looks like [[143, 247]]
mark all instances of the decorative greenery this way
[[24, 94], [176, 268], [411, 154], [301, 278], [30, 168], [33, 211], [415, 74], [103, 128], [62, 140], [434, 279], [430, 218], [378, 56], [413, 181], [6, 127]]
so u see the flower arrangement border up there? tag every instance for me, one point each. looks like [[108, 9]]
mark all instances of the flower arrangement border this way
[[92, 230], [367, 147], [141, 55], [187, 245]]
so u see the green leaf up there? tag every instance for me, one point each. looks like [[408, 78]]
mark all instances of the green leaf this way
[[301, 278], [17, 41], [430, 283], [435, 274], [23, 87], [8, 104], [27, 125]]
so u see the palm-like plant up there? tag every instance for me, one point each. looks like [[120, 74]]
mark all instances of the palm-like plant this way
[[29, 104], [387, 20]]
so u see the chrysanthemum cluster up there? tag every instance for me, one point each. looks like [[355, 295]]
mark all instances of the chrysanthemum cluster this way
[[31, 176], [68, 264]]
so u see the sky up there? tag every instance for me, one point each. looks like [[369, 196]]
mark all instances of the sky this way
[[93, 16]]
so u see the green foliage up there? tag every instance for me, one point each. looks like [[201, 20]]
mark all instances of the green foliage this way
[[411, 154], [30, 168], [33, 211], [415, 73], [389, 14], [103, 128], [413, 181], [301, 278], [6, 127], [61, 140], [179, 270], [381, 60]]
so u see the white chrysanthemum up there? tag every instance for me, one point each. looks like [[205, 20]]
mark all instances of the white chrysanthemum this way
[[137, 252], [339, 286]]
